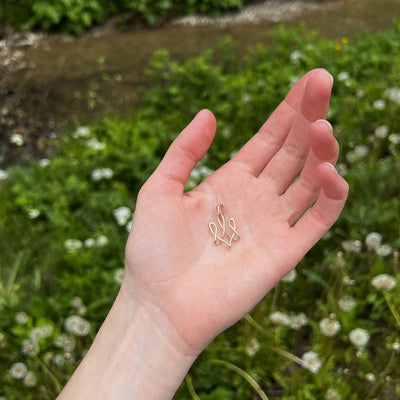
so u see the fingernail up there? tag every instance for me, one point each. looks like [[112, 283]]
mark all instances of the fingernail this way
[[332, 168], [327, 123]]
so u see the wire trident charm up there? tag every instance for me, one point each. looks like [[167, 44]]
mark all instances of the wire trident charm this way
[[224, 236]]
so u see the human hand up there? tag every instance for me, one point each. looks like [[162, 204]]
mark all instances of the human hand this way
[[173, 268]]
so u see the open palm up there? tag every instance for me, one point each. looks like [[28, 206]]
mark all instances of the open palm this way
[[173, 267]]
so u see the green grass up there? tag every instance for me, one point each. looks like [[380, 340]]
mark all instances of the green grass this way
[[46, 278]]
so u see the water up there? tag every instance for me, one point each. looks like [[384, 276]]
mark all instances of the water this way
[[74, 81]]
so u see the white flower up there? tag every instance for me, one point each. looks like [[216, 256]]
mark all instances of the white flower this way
[[359, 337], [82, 131], [101, 241], [59, 360], [47, 330], [119, 275], [30, 379], [17, 139], [384, 250], [18, 370], [3, 175], [279, 318], [394, 138], [291, 276], [90, 242], [348, 281], [379, 104], [77, 325], [311, 361], [360, 93], [44, 162], [370, 377], [21, 318], [122, 215], [329, 326], [296, 56], [102, 173], [297, 321], [33, 213], [332, 394], [36, 334], [343, 76], [342, 169], [384, 282], [128, 226], [373, 240], [72, 245], [30, 348], [76, 302], [361, 150], [352, 246], [95, 144], [347, 303], [381, 131], [252, 347], [393, 94]]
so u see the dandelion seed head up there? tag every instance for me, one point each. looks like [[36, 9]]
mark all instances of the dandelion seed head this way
[[122, 215], [279, 318], [379, 104], [3, 175], [101, 241], [81, 131], [381, 132], [29, 379], [252, 347], [72, 245], [95, 144], [77, 325], [17, 139], [394, 138], [296, 56], [21, 318], [102, 173], [33, 213], [18, 370], [30, 348], [290, 277], [311, 361], [359, 337], [384, 282], [343, 76], [393, 94], [329, 327], [347, 303], [297, 321], [373, 240], [370, 377], [89, 243], [352, 246], [384, 250], [119, 275], [332, 394], [44, 162]]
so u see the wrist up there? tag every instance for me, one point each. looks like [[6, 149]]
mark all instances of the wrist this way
[[136, 354]]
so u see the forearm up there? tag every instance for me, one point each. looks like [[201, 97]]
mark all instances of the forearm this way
[[130, 358]]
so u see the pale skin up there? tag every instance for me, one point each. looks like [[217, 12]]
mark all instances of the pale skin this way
[[180, 290]]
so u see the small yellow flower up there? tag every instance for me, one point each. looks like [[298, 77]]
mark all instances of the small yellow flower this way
[[345, 40], [338, 47]]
